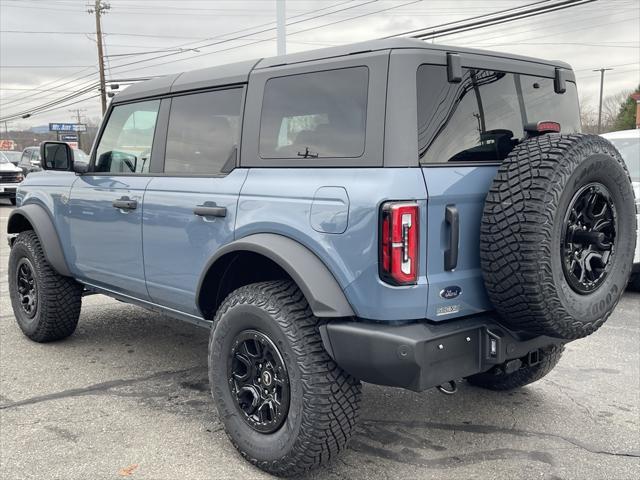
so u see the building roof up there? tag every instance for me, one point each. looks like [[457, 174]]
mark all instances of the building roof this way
[[239, 72]]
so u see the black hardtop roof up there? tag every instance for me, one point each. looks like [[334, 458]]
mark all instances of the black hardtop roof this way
[[239, 72]]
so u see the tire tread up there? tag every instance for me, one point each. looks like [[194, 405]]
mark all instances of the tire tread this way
[[59, 299], [331, 396]]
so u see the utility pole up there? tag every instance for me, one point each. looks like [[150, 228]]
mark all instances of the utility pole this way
[[281, 20], [601, 70], [98, 9], [78, 112]]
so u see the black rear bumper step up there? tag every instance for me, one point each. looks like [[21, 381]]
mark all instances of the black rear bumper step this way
[[421, 355]]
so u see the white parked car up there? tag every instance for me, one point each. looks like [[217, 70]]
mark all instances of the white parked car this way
[[628, 144], [10, 178]]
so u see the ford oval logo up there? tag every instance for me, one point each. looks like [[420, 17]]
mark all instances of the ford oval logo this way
[[451, 292]]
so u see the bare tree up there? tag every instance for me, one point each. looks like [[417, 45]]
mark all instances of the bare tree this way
[[610, 109]]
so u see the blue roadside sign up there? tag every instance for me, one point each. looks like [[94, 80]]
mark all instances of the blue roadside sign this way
[[67, 127]]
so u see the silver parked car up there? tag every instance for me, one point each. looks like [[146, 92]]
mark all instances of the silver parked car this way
[[11, 155], [10, 178], [628, 144]]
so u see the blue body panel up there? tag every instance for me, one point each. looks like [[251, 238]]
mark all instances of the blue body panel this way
[[51, 191], [159, 251], [106, 243], [279, 200], [177, 243], [466, 188]]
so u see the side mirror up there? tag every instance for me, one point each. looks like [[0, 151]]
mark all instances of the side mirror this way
[[56, 156], [80, 167]]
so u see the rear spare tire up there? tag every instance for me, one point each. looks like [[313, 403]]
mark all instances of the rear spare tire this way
[[558, 235]]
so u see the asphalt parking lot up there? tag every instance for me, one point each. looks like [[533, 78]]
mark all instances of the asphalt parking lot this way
[[127, 396]]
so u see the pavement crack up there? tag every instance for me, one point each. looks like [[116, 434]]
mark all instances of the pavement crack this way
[[487, 429], [96, 388]]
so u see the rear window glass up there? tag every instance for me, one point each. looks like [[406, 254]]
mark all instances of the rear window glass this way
[[315, 115], [482, 118]]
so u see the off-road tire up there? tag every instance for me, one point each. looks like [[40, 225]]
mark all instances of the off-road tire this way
[[521, 234], [59, 298], [498, 380], [324, 400]]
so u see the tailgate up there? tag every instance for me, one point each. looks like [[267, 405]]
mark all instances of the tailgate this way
[[455, 193]]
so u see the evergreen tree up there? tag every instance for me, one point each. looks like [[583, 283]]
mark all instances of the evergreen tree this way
[[626, 118]]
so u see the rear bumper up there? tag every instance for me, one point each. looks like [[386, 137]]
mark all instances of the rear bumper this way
[[422, 355]]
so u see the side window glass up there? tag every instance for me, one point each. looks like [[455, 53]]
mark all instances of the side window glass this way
[[204, 131], [125, 145], [315, 115], [482, 118], [477, 119]]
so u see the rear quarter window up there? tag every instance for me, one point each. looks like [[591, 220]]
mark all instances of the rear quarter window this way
[[482, 118], [315, 115]]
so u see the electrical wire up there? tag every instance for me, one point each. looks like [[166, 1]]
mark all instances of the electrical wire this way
[[239, 31]]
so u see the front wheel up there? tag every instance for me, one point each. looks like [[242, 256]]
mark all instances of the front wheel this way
[[46, 304], [285, 404]]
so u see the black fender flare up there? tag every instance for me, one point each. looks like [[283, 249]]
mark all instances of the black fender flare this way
[[42, 224], [317, 283]]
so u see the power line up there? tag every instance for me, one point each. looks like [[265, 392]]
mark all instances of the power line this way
[[45, 66], [239, 37], [517, 29], [258, 41], [254, 42], [55, 102], [206, 39], [506, 18], [13, 100], [402, 34]]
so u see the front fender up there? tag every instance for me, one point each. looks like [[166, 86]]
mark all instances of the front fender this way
[[320, 288], [35, 217]]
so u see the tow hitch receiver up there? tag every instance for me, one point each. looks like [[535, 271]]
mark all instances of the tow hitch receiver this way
[[534, 357]]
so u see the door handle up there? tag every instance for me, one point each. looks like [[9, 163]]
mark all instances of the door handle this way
[[125, 203], [210, 209], [452, 218]]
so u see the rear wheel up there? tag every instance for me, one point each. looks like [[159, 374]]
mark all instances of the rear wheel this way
[[285, 404], [497, 379], [558, 235], [46, 304]]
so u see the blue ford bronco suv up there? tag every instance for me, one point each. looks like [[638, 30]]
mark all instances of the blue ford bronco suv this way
[[392, 212]]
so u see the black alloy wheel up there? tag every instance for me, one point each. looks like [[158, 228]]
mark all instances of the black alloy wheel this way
[[27, 287], [588, 247], [259, 381]]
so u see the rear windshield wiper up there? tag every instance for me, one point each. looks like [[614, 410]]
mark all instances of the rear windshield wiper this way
[[307, 154]]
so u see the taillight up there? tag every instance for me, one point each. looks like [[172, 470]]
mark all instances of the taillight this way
[[399, 243]]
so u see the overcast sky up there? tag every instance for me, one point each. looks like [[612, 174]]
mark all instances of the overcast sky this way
[[38, 65]]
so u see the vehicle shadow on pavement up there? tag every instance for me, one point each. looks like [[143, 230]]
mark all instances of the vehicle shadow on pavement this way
[[121, 351]]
